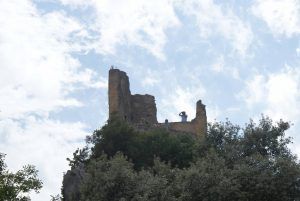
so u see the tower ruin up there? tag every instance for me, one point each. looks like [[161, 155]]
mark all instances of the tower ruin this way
[[141, 109], [132, 108]]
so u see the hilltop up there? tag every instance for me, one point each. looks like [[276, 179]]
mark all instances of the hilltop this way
[[133, 157]]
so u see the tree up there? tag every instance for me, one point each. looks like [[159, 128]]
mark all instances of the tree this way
[[115, 179], [55, 198], [231, 163], [80, 156], [16, 186], [142, 147]]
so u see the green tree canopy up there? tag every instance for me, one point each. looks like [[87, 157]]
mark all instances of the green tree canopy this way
[[16, 186], [142, 147], [232, 163]]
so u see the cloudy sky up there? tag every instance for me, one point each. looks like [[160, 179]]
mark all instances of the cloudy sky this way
[[241, 58]]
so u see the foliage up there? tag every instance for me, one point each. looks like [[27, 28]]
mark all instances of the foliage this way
[[115, 179], [2, 163], [55, 198], [80, 156], [16, 186], [142, 147], [232, 163]]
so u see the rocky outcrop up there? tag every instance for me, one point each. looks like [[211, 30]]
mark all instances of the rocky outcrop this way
[[71, 183]]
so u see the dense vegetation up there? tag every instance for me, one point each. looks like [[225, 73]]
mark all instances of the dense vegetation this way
[[232, 163], [16, 186]]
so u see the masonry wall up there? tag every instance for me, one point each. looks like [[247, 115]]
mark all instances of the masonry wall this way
[[143, 109], [197, 126], [187, 127]]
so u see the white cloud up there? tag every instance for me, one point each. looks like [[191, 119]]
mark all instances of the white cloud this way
[[212, 20], [37, 68], [149, 81], [43, 143], [298, 51], [221, 66], [218, 66], [144, 23], [150, 78], [38, 74], [213, 113], [255, 90], [181, 99], [281, 16], [279, 93], [133, 22]]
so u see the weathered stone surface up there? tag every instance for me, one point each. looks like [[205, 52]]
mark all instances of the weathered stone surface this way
[[119, 94], [200, 121], [71, 183], [186, 127], [143, 109]]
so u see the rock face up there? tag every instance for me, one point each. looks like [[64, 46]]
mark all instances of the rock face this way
[[71, 183], [141, 110]]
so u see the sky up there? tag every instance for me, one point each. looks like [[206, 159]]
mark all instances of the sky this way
[[241, 58]]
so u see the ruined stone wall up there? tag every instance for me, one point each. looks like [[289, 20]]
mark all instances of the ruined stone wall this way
[[197, 126], [143, 109], [186, 127]]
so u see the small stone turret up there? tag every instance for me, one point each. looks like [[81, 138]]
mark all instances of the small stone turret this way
[[201, 119]]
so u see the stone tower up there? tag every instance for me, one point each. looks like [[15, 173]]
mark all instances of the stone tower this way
[[119, 96], [132, 108]]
